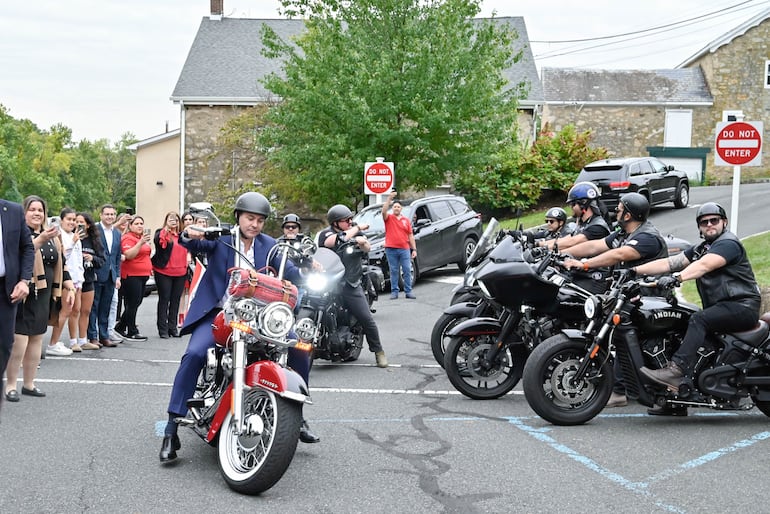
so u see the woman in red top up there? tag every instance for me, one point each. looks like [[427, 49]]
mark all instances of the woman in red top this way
[[169, 265], [134, 273]]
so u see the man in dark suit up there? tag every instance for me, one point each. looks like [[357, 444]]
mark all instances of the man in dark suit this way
[[16, 261], [107, 278]]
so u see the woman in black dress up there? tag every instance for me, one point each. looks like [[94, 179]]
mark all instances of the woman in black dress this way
[[50, 280]]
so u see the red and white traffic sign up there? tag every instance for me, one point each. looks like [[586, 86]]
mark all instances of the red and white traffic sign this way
[[739, 143], [378, 177]]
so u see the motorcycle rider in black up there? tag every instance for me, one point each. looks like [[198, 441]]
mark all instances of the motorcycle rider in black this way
[[555, 225], [584, 200], [726, 285], [637, 242], [340, 230]]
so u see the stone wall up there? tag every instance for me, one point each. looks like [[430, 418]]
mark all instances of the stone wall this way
[[626, 131], [735, 74], [206, 165]]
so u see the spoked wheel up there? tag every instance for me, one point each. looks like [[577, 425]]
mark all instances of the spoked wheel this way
[[253, 461], [438, 338], [550, 386], [465, 367]]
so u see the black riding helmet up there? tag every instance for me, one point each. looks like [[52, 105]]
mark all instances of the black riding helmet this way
[[710, 208], [636, 205], [556, 213], [337, 213], [252, 202], [291, 218]]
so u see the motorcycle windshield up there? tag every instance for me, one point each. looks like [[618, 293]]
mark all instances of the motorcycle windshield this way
[[332, 265], [487, 240], [507, 250]]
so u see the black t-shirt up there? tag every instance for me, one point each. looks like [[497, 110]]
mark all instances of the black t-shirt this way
[[729, 249], [646, 244]]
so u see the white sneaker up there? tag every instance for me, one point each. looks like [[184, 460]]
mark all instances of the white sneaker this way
[[115, 337], [58, 349]]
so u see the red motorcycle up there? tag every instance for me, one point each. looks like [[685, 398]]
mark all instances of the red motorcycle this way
[[247, 402]]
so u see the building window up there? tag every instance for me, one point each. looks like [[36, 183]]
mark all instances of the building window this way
[[767, 74]]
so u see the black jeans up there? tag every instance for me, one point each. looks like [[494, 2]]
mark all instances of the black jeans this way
[[722, 317], [169, 295], [354, 299], [133, 294]]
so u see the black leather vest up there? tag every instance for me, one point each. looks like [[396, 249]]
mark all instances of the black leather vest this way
[[644, 228], [733, 282]]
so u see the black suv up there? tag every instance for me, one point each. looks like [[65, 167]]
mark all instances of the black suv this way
[[446, 231], [659, 182]]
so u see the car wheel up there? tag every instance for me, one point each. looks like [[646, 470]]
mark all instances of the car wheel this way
[[468, 246], [682, 196]]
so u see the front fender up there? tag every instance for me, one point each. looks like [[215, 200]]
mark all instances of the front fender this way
[[476, 327], [464, 309], [576, 335], [267, 375]]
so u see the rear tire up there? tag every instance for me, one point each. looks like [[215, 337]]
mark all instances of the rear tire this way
[[682, 197], [548, 387], [253, 463]]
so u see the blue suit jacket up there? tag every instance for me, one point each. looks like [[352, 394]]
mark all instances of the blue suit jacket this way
[[110, 270], [18, 249], [213, 285]]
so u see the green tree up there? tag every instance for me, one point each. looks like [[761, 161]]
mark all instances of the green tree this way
[[416, 82]]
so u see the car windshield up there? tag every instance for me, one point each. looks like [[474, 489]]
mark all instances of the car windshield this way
[[373, 218]]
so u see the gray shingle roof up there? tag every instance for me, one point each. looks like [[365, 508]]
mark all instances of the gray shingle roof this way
[[680, 86], [225, 62]]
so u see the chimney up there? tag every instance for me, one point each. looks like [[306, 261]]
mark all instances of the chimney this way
[[217, 8]]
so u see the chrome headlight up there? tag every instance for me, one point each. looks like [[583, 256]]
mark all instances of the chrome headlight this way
[[305, 329], [245, 309], [276, 320], [591, 307], [316, 282]]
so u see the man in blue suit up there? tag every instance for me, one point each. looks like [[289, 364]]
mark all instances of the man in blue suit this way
[[107, 278], [16, 261], [251, 211]]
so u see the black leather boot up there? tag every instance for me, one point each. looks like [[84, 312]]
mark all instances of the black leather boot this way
[[169, 447], [305, 435]]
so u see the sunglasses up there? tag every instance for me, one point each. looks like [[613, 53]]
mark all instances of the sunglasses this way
[[291, 227], [551, 221], [709, 221]]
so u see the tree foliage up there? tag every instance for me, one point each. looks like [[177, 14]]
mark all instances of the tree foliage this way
[[47, 163], [517, 175], [416, 82]]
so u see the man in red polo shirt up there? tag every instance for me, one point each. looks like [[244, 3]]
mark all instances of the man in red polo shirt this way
[[400, 247]]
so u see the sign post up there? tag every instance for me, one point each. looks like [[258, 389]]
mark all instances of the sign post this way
[[378, 178], [738, 143]]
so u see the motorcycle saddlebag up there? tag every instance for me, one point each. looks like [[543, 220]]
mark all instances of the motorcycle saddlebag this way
[[250, 284]]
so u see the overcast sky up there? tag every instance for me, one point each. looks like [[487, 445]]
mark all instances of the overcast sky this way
[[106, 67]]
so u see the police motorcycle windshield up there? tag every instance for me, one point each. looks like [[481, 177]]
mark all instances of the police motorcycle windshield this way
[[487, 240], [330, 262]]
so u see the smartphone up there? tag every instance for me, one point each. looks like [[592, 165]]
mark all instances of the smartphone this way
[[81, 230], [147, 232], [54, 221], [129, 211]]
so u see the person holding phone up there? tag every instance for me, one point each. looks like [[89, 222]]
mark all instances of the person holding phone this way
[[93, 259], [73, 256], [400, 246], [134, 272]]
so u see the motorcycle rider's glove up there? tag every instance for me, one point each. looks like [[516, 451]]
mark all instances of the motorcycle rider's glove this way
[[668, 282]]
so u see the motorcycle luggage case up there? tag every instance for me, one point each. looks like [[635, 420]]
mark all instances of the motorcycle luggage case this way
[[250, 284]]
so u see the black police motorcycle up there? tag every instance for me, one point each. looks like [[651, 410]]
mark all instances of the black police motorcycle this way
[[568, 378]]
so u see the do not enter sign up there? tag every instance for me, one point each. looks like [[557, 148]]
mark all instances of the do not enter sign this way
[[739, 143], [378, 177]]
